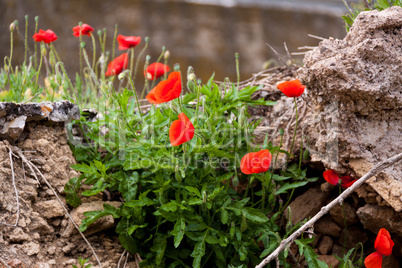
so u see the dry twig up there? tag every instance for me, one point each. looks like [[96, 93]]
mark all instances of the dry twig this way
[[324, 210], [16, 192]]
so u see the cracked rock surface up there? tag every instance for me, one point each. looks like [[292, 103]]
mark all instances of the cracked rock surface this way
[[355, 87]]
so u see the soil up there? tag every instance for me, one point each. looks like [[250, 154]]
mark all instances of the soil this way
[[37, 239]]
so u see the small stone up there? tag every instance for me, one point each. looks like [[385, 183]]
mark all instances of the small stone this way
[[51, 250], [327, 226], [31, 248], [325, 245], [69, 247], [12, 130], [18, 236], [50, 208], [330, 260]]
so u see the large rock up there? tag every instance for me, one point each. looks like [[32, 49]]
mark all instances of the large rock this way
[[374, 217], [355, 90], [307, 204]]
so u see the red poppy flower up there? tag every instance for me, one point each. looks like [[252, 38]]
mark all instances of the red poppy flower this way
[[383, 243], [117, 65], [126, 42], [256, 162], [374, 260], [332, 177], [84, 29], [347, 181], [181, 130], [47, 36], [292, 88], [156, 70], [166, 90]]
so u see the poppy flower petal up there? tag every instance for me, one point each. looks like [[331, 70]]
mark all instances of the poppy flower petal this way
[[117, 65], [331, 177], [151, 97], [293, 88], [346, 181], [156, 70], [167, 90], [256, 162], [126, 42], [374, 260], [383, 243], [181, 130]]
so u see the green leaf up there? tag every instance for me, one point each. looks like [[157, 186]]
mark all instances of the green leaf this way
[[159, 247], [224, 216], [128, 187], [255, 215], [309, 254], [128, 243], [289, 186], [178, 231], [71, 188], [198, 253]]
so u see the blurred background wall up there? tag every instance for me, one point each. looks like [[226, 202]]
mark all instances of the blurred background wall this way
[[202, 33]]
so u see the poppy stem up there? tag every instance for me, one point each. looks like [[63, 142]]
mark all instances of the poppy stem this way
[[26, 39], [38, 71], [36, 29], [81, 48], [114, 39], [158, 60], [94, 51], [344, 221], [237, 69], [11, 47], [138, 60], [294, 134], [136, 96]]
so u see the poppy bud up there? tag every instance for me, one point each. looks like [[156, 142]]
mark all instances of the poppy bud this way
[[36, 18], [166, 54], [121, 76], [52, 58], [43, 50], [149, 76], [12, 27], [191, 77]]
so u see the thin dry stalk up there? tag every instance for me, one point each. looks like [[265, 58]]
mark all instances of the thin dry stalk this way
[[121, 257], [316, 37], [324, 210], [16, 192]]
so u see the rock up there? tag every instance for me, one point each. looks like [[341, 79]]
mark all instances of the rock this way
[[14, 263], [330, 260], [99, 225], [18, 236], [325, 245], [374, 217], [13, 129], [50, 208], [307, 204], [31, 248], [390, 261], [327, 226], [354, 236], [69, 247], [354, 88], [337, 214]]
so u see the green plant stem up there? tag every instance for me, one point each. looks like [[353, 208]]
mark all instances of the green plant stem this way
[[35, 55], [237, 69], [158, 60], [344, 221], [114, 40], [294, 134], [38, 71], [136, 97], [26, 39], [94, 51], [138, 61], [55, 52], [146, 80], [81, 48], [288, 201], [11, 48]]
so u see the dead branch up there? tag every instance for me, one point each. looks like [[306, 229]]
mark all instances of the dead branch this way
[[324, 210]]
